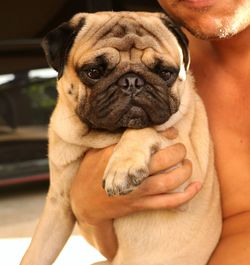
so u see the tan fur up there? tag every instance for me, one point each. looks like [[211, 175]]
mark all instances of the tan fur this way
[[177, 237]]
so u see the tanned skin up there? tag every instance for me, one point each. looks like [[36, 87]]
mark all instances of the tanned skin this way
[[225, 91], [220, 53]]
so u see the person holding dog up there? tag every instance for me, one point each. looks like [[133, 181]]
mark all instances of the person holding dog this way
[[220, 53]]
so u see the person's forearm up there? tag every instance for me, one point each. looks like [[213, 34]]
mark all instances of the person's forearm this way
[[102, 237]]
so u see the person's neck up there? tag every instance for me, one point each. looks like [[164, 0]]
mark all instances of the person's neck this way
[[232, 54], [233, 50]]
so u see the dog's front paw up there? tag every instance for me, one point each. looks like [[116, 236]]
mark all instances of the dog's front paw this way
[[123, 175]]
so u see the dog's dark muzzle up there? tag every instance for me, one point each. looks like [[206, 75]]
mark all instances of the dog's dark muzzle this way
[[130, 102]]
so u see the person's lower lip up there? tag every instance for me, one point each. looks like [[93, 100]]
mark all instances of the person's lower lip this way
[[198, 3]]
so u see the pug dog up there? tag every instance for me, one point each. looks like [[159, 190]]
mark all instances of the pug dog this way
[[122, 78]]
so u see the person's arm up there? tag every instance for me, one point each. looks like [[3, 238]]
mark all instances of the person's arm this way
[[95, 211]]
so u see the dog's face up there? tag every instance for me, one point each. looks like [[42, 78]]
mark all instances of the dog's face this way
[[119, 69]]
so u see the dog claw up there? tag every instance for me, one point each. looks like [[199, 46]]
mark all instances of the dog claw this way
[[125, 192], [135, 181], [139, 175], [110, 193]]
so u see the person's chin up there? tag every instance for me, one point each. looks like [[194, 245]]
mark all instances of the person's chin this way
[[200, 17], [207, 28], [215, 28], [210, 19]]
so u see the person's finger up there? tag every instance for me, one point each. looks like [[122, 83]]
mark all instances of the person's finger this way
[[167, 157], [164, 182], [169, 200], [170, 133]]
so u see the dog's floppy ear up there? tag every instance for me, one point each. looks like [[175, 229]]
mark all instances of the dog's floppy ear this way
[[58, 42], [181, 38]]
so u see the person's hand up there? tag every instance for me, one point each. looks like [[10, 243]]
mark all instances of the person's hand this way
[[92, 206]]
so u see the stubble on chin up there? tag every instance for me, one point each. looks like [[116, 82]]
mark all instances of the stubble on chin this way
[[220, 29], [213, 28]]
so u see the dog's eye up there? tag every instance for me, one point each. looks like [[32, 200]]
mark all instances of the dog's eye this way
[[165, 74], [94, 73], [168, 74]]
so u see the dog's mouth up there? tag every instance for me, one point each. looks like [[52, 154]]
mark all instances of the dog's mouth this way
[[125, 113], [135, 117], [131, 102]]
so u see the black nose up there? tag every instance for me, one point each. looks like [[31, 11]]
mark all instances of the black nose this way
[[131, 83]]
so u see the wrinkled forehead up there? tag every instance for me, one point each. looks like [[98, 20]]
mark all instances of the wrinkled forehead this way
[[113, 34]]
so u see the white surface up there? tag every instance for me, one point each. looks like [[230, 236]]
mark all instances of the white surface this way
[[43, 73], [76, 252], [6, 78]]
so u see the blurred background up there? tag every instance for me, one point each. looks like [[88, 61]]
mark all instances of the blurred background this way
[[27, 98]]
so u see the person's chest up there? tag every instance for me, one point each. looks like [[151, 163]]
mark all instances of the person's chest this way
[[228, 109]]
